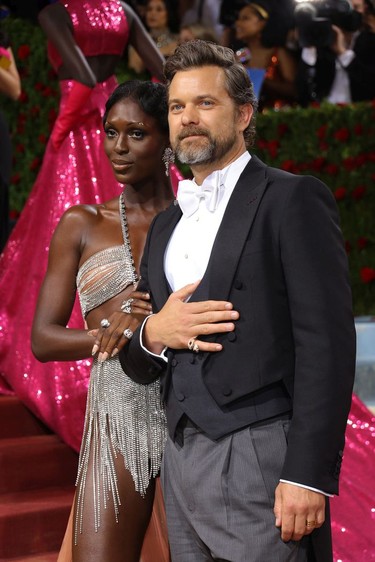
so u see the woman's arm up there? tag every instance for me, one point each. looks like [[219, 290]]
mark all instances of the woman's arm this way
[[10, 83], [142, 42], [288, 71], [51, 340]]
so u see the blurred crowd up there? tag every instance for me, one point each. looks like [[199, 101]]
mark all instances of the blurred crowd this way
[[296, 52]]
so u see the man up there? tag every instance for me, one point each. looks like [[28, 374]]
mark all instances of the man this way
[[257, 367]]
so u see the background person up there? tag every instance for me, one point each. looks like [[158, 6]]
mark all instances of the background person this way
[[10, 86]]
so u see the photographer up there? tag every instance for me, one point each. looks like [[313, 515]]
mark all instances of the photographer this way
[[336, 63]]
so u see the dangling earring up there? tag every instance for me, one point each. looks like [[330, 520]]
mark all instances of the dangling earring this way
[[168, 158]]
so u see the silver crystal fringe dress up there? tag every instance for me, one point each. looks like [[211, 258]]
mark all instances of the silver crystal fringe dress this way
[[122, 417]]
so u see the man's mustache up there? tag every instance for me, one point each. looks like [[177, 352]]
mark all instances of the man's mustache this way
[[188, 132]]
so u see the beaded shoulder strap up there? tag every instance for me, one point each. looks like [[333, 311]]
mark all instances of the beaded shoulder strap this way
[[131, 272]]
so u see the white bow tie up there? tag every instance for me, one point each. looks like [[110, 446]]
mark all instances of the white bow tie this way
[[189, 194]]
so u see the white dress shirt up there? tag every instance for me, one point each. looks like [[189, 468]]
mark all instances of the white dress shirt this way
[[190, 245]]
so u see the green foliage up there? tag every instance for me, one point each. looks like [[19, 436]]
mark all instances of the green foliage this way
[[337, 145], [334, 143]]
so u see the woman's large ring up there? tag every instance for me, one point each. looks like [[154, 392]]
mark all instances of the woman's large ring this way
[[105, 323], [310, 524], [127, 306], [128, 333]]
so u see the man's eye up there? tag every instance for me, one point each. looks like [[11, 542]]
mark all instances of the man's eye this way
[[176, 107], [206, 103]]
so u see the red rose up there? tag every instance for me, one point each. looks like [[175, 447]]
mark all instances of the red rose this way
[[20, 148], [23, 52], [34, 164], [359, 192], [14, 214], [318, 163], [15, 179], [349, 163], [367, 274], [362, 243], [321, 132], [282, 129], [262, 144], [23, 97], [360, 159], [42, 138], [273, 147], [331, 169], [323, 146], [342, 134], [340, 193], [358, 129], [288, 165]]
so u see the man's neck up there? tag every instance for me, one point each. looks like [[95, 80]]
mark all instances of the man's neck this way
[[202, 171]]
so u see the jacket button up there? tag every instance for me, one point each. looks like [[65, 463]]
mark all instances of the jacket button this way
[[231, 336], [180, 396], [174, 362], [227, 391], [238, 284]]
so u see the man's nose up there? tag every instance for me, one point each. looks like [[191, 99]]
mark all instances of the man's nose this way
[[190, 115]]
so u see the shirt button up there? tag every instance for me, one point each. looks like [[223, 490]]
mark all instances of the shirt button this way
[[186, 256], [197, 219]]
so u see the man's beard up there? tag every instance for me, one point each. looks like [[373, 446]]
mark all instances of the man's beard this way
[[206, 150]]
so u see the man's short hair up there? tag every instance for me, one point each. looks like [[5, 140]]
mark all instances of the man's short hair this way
[[199, 53]]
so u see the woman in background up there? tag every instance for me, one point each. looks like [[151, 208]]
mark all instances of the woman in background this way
[[10, 86], [96, 251], [162, 23], [85, 42], [259, 27]]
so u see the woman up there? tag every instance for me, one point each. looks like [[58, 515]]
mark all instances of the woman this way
[[161, 21], [10, 86], [86, 41], [97, 248], [259, 29]]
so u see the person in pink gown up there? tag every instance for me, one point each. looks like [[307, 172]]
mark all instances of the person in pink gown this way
[[86, 41]]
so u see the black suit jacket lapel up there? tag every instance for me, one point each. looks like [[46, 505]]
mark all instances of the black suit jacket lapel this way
[[164, 226]]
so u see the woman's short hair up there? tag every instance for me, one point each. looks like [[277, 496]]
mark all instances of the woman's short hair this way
[[151, 98]]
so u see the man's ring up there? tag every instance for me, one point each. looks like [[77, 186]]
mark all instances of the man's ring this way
[[310, 524], [128, 333], [191, 344], [127, 306], [105, 323]]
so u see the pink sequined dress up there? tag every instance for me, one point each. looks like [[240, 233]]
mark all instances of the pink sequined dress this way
[[78, 172]]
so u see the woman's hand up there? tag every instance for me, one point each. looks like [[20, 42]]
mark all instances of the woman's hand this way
[[109, 341]]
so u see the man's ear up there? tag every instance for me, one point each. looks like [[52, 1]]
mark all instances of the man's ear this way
[[245, 113]]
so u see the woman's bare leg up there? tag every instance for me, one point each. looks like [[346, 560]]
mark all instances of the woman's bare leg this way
[[114, 541]]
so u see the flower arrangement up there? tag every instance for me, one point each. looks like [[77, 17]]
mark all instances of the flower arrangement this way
[[335, 143]]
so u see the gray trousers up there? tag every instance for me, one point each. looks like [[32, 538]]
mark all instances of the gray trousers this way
[[219, 496]]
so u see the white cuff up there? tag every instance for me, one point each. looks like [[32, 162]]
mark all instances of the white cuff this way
[[162, 354], [346, 58], [309, 55], [308, 488]]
